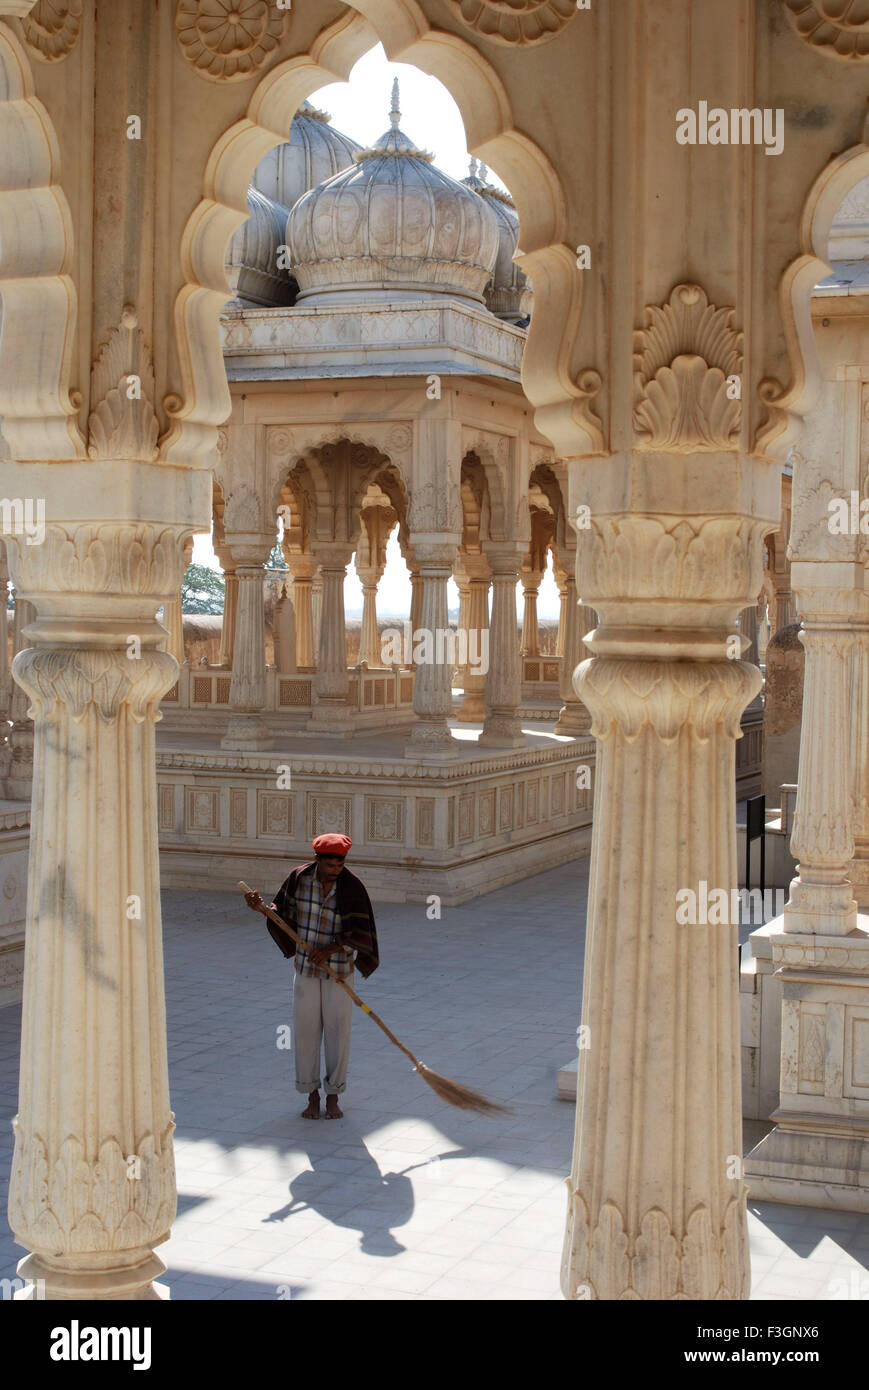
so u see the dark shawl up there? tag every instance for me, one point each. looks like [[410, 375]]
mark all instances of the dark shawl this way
[[353, 906]]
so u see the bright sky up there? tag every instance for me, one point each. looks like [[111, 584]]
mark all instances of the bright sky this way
[[431, 118]]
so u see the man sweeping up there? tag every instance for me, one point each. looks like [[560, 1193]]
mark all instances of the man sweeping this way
[[331, 911]]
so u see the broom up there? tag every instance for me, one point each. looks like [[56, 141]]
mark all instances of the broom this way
[[451, 1091]]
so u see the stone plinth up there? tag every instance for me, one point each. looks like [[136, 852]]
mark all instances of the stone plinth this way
[[455, 829]]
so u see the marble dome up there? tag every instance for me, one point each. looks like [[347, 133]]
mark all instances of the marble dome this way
[[509, 295], [313, 153], [392, 225]]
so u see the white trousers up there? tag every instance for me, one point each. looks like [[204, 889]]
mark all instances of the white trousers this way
[[322, 1012]]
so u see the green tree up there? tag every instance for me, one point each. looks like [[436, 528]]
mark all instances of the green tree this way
[[202, 590]]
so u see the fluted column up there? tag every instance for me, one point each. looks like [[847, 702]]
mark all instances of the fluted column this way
[[858, 870], [173, 617], [285, 634], [92, 1188], [472, 709], [502, 727], [19, 778], [530, 643], [302, 569], [577, 621], [230, 608], [247, 730], [462, 582], [5, 678], [317, 608], [331, 683], [369, 645], [432, 691], [821, 898], [416, 588], [561, 580], [656, 1206]]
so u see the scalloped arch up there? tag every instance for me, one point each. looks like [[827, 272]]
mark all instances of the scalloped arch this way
[[36, 245], [549, 370], [788, 406]]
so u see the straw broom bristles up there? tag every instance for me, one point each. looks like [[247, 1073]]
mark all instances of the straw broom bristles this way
[[453, 1092]]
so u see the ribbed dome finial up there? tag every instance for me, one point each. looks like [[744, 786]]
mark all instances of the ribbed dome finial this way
[[484, 171], [472, 169], [394, 110]]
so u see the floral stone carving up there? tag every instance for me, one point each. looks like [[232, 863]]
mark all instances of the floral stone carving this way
[[228, 40], [52, 28], [687, 376], [839, 27], [516, 21]]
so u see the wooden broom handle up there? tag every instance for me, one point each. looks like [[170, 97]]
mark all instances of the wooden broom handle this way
[[279, 922]]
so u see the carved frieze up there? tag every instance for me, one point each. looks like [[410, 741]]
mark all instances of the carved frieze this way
[[837, 27], [228, 40], [685, 360], [519, 22]]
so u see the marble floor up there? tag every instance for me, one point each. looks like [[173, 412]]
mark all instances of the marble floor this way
[[405, 1198]]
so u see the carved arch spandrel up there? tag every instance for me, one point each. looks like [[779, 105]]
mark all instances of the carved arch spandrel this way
[[36, 257], [561, 393]]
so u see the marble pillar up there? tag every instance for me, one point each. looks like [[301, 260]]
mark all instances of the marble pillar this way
[[432, 691], [472, 709], [5, 678], [530, 642], [173, 617], [93, 1186], [285, 635], [302, 569], [247, 730], [502, 727], [331, 682], [230, 609], [818, 1152], [577, 621], [656, 1205]]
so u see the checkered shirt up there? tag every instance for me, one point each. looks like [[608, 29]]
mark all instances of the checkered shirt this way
[[318, 924]]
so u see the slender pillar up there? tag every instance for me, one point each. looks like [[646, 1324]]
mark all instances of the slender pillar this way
[[247, 731], [472, 709], [285, 634], [92, 1188], [369, 646], [19, 778], [5, 678], [818, 1152], [858, 871], [331, 683], [173, 617], [460, 575], [821, 899], [561, 581], [502, 727], [230, 609], [432, 692], [317, 607], [573, 717], [302, 569], [530, 643], [415, 599]]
